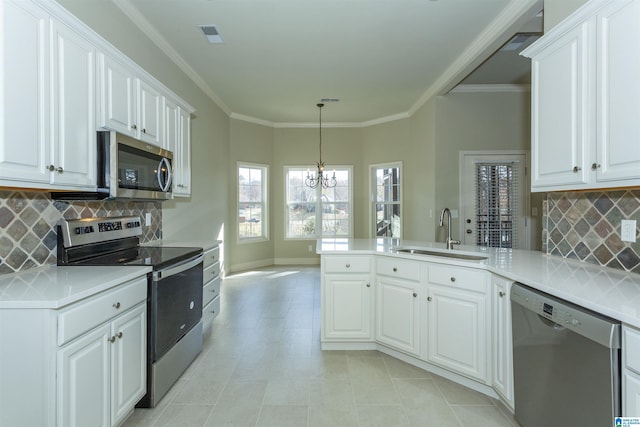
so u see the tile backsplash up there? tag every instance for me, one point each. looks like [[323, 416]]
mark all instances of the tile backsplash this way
[[28, 220], [586, 226]]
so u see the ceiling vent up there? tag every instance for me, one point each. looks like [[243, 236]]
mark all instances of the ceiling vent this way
[[211, 33]]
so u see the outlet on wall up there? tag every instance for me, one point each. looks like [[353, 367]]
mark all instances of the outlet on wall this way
[[310, 249], [147, 219], [628, 230]]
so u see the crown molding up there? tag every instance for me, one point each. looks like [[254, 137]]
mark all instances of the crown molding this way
[[145, 26], [493, 88]]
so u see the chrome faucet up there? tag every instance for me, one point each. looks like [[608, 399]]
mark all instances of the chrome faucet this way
[[450, 241]]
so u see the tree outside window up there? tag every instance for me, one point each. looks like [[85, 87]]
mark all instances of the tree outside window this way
[[252, 202]]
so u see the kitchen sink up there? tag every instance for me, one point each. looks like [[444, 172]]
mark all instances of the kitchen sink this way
[[447, 254]]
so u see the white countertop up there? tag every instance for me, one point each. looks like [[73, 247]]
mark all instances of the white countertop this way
[[612, 292], [55, 287]]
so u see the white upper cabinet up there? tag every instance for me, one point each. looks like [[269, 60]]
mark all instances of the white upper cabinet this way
[[118, 101], [585, 107], [182, 155], [24, 86], [149, 114], [73, 154]]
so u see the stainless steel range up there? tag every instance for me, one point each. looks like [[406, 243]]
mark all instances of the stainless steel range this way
[[174, 293]]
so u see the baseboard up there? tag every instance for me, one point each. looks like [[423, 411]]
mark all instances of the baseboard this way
[[297, 261], [235, 268]]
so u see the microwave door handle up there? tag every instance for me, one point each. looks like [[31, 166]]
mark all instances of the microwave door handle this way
[[164, 187]]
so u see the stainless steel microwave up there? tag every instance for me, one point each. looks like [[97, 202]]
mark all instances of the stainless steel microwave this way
[[128, 169]]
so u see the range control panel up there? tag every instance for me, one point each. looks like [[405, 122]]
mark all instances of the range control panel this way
[[83, 231]]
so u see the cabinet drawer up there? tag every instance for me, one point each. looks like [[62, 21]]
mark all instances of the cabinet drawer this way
[[211, 311], [210, 291], [400, 268], [210, 273], [85, 315], [460, 277], [631, 348], [211, 256], [346, 264]]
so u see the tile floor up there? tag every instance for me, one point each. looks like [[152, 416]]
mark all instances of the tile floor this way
[[261, 365]]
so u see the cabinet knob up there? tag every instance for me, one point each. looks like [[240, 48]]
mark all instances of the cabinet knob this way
[[501, 294], [415, 295], [469, 231], [368, 285], [60, 170], [144, 130], [134, 127], [112, 339], [595, 166], [51, 168], [348, 265], [116, 305], [428, 298], [576, 169], [395, 269], [453, 279], [119, 335]]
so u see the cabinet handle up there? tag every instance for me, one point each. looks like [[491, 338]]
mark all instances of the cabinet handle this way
[[144, 130], [134, 127], [395, 269], [428, 298], [116, 305], [576, 169], [501, 294], [595, 166], [51, 168], [119, 335], [453, 279], [415, 295], [112, 339], [348, 265], [60, 170]]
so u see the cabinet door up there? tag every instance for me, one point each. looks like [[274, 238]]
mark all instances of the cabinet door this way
[[631, 394], [457, 330], [397, 314], [118, 97], [149, 113], [83, 380], [128, 363], [502, 348], [24, 87], [562, 105], [182, 156], [618, 98], [73, 150], [171, 132], [347, 307]]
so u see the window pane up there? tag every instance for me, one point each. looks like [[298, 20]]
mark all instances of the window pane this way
[[386, 207], [301, 220], [251, 202]]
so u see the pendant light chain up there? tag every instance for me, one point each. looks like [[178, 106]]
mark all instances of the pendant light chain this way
[[320, 178]]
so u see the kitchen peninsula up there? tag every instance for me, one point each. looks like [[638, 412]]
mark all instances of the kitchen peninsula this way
[[451, 315]]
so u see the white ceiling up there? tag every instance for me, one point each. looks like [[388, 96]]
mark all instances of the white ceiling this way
[[381, 58]]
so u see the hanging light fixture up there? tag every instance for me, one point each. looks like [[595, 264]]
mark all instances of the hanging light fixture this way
[[320, 178]]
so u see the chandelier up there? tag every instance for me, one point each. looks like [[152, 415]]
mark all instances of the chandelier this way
[[319, 178]]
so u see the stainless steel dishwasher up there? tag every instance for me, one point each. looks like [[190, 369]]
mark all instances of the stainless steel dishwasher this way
[[566, 362]]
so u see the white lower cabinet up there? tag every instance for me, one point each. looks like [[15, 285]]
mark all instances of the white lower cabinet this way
[[347, 299], [210, 286], [630, 372], [81, 365], [502, 368], [397, 305], [457, 320]]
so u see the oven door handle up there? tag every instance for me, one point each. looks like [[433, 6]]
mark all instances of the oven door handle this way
[[176, 269]]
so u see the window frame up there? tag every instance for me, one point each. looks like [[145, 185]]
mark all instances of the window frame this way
[[318, 203], [264, 202], [373, 195]]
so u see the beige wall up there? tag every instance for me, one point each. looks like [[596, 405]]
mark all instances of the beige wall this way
[[254, 144], [556, 10], [204, 214], [476, 121]]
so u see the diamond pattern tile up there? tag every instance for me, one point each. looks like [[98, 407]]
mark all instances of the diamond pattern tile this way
[[28, 219], [586, 226]]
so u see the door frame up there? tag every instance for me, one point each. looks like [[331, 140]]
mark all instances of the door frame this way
[[526, 185]]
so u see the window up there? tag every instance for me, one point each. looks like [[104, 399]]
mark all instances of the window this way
[[386, 191], [252, 202], [306, 207]]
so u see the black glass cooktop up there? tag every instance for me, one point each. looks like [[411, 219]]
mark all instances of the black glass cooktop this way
[[157, 257]]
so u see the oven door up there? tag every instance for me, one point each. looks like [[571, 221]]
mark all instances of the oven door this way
[[175, 304]]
